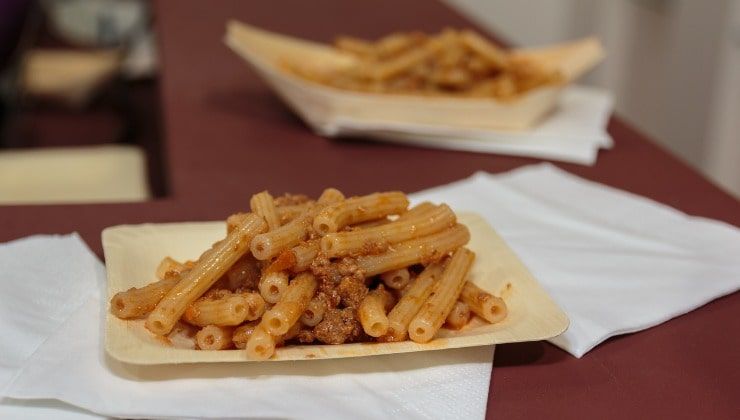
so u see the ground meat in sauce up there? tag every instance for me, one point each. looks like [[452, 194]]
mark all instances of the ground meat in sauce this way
[[305, 336], [324, 270], [339, 326], [244, 274], [352, 291], [341, 282], [347, 266], [329, 294], [328, 278]]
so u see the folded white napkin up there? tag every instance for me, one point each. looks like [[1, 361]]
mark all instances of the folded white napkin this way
[[574, 132], [11, 408], [45, 280], [614, 261], [52, 309]]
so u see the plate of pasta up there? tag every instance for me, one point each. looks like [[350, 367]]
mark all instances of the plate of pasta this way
[[455, 78], [295, 278]]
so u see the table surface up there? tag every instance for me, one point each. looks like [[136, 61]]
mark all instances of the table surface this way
[[227, 135]]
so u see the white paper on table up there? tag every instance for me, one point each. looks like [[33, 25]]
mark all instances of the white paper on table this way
[[29, 314], [614, 261], [594, 248], [42, 410], [71, 366], [574, 132], [44, 280]]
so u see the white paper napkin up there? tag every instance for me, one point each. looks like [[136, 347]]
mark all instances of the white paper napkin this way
[[614, 261], [44, 280], [11, 409], [66, 361], [574, 132]]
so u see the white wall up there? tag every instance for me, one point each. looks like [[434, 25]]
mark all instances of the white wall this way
[[722, 160], [672, 65]]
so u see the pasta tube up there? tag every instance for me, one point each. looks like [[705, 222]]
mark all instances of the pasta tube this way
[[459, 316], [270, 244], [211, 265], [169, 268], [401, 293], [396, 279], [229, 310], [297, 259], [415, 251], [373, 310], [354, 46], [426, 223], [304, 255], [285, 313], [417, 210], [289, 212], [273, 285], [485, 49], [330, 196], [292, 332], [406, 308], [212, 337], [314, 312], [387, 69], [261, 344], [263, 205], [234, 220], [446, 292], [412, 212], [134, 302], [242, 333], [485, 305], [359, 209], [371, 223], [182, 336], [255, 305]]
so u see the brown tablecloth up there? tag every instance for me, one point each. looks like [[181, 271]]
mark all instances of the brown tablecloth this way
[[227, 135]]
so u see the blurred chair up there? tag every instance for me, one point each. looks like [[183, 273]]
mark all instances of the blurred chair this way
[[14, 38], [96, 174], [13, 15], [70, 76]]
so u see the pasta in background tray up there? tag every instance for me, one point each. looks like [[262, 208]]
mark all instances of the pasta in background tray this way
[[269, 281], [306, 76]]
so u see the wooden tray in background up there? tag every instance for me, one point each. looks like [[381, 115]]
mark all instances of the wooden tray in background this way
[[320, 106]]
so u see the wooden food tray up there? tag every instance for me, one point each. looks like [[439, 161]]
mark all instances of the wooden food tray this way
[[322, 106], [132, 253]]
